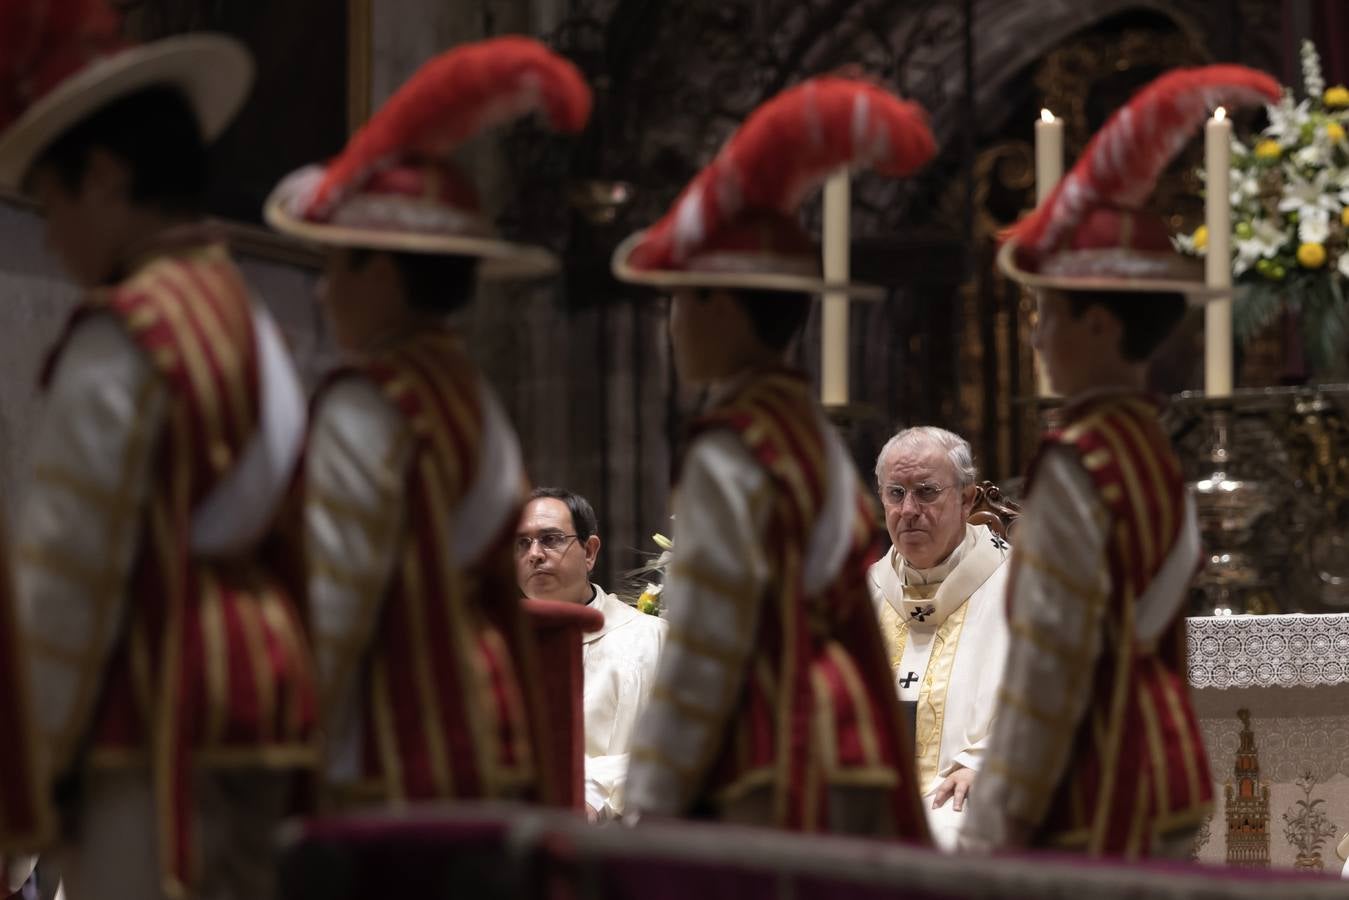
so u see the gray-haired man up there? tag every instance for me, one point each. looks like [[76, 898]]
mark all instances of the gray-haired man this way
[[939, 595]]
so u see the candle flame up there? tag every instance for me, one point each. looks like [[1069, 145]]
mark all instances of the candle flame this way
[[1046, 115], [1219, 114]]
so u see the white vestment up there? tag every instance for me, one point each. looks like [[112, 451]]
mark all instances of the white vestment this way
[[619, 663], [946, 633]]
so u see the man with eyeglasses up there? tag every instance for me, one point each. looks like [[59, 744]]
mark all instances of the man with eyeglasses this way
[[556, 546], [938, 593]]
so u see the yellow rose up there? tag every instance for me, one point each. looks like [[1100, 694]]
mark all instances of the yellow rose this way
[[1335, 131], [1337, 96], [1268, 149], [1311, 256], [1344, 217], [1200, 237]]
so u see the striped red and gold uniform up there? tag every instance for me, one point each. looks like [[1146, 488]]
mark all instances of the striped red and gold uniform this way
[[213, 668], [1138, 769], [449, 703], [819, 710]]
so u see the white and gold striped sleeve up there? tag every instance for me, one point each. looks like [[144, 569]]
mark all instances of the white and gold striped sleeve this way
[[353, 507], [80, 524], [1060, 582], [717, 577]]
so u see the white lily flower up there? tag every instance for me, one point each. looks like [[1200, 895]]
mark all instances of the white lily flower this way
[[1286, 120], [1184, 243], [1312, 156], [1265, 240], [1301, 194], [1245, 189], [1314, 226]]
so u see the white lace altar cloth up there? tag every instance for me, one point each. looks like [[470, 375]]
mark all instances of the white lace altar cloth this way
[[1269, 651], [1292, 674]]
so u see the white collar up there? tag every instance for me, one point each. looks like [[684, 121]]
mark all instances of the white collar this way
[[616, 613], [938, 573]]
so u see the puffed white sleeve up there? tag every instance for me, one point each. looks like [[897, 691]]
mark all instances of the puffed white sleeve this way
[[81, 522], [1059, 585], [712, 596], [353, 504]]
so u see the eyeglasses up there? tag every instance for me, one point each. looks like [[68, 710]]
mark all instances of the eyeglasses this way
[[551, 542], [924, 494]]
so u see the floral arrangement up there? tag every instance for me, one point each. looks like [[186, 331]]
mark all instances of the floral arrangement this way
[[648, 600], [1290, 209]]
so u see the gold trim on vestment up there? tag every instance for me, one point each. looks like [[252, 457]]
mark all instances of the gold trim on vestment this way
[[1153, 734], [1115, 722], [217, 665], [931, 711], [741, 594], [786, 676], [696, 645], [198, 372], [1187, 749], [464, 632], [1137, 497], [280, 623], [225, 756], [428, 698], [108, 589], [255, 648], [1133, 848], [655, 756], [1087, 593], [381, 709], [861, 702], [685, 708], [1046, 644], [139, 651], [218, 347], [1034, 783], [754, 779], [88, 491], [370, 523], [1053, 721], [825, 737], [1160, 495]]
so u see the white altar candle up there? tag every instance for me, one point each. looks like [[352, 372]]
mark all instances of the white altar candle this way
[[834, 330], [1218, 262], [1048, 154], [1048, 171]]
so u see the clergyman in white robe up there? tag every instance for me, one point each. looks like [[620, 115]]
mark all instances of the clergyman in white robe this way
[[619, 664], [945, 629]]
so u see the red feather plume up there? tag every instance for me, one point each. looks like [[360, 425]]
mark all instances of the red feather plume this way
[[453, 97], [1121, 165], [786, 149]]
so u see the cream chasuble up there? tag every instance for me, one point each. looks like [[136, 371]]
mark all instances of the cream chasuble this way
[[619, 663], [945, 629]]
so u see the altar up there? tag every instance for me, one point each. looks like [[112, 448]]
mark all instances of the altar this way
[[1272, 696]]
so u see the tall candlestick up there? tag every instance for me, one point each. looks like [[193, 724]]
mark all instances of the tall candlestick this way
[[1218, 261], [1048, 154], [834, 330], [1048, 171]]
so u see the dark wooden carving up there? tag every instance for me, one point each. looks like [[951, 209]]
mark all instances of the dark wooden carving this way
[[994, 509]]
